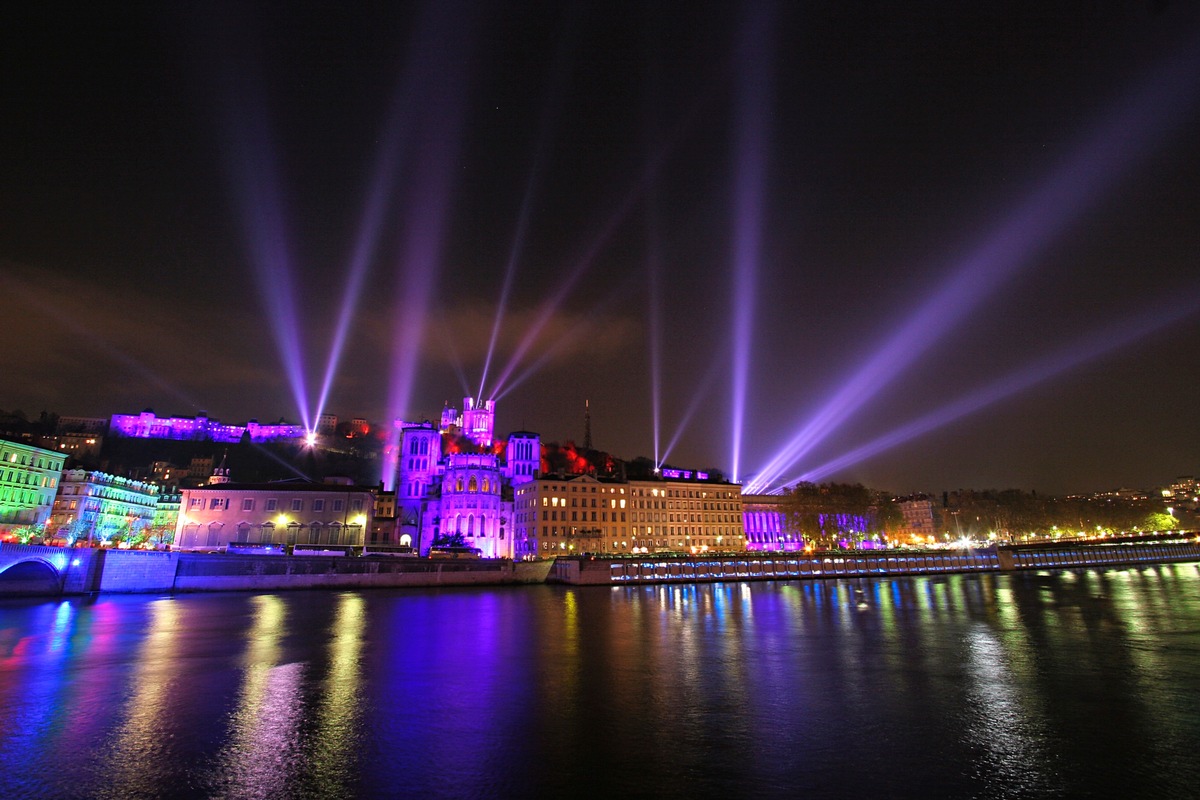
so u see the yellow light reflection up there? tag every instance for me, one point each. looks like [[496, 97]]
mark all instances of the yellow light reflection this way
[[142, 739], [262, 756], [339, 708]]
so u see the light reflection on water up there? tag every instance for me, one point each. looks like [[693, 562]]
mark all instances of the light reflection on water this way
[[1034, 684]]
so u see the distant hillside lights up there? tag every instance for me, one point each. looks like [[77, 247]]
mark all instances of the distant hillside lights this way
[[148, 426]]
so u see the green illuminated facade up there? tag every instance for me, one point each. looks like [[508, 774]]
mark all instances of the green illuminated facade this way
[[29, 479]]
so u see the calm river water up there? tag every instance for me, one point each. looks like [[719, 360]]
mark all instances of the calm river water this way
[[1038, 684]]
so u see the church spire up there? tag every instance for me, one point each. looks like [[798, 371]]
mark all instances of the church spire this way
[[587, 425]]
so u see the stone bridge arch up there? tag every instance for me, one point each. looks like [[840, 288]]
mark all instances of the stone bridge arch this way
[[30, 578]]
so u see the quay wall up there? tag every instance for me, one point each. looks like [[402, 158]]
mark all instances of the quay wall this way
[[209, 573], [50, 571], [136, 570], [34, 570]]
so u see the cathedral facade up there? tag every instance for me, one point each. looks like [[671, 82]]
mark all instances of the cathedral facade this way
[[455, 481]]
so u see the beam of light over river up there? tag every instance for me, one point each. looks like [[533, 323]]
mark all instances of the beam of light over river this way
[[1078, 684]]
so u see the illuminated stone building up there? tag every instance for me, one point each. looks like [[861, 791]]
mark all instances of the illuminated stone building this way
[[681, 514], [570, 514], [920, 522], [458, 479], [147, 425], [285, 512], [100, 506], [29, 478], [556, 515]]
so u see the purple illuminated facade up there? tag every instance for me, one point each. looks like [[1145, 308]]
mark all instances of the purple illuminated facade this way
[[456, 479], [765, 524], [200, 427]]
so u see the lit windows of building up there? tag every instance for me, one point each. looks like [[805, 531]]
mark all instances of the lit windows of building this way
[[29, 481]]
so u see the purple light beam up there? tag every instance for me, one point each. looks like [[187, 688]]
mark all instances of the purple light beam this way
[[693, 405], [388, 161], [751, 145], [581, 264], [571, 336], [653, 270], [551, 110], [446, 78], [252, 172], [1072, 189], [1079, 352]]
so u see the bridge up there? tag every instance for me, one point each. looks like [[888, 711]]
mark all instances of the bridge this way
[[35, 570]]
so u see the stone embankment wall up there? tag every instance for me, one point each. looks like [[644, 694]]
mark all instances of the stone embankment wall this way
[[214, 573], [50, 571]]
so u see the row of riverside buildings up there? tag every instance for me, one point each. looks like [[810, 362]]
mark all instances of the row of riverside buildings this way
[[450, 481]]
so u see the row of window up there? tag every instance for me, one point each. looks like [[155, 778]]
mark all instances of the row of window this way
[[23, 498], [27, 460], [31, 479], [552, 515], [577, 502]]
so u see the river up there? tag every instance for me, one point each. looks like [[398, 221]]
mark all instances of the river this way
[[1063, 684]]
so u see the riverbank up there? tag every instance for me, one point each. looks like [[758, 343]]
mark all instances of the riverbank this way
[[31, 570]]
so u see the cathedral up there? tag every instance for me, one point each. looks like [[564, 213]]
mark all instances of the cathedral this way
[[457, 478]]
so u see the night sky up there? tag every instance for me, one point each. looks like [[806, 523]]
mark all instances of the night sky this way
[[1015, 185]]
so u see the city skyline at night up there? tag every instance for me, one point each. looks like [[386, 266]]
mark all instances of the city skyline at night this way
[[911, 247]]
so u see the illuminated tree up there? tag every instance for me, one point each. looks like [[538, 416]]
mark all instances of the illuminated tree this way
[[159, 534], [27, 533], [829, 512], [1161, 522], [455, 539]]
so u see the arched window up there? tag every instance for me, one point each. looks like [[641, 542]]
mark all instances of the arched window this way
[[458, 486], [486, 486], [473, 485], [316, 532], [406, 541]]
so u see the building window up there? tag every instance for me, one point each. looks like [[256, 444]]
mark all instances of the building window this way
[[337, 505], [247, 505], [297, 505], [272, 504], [318, 505]]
